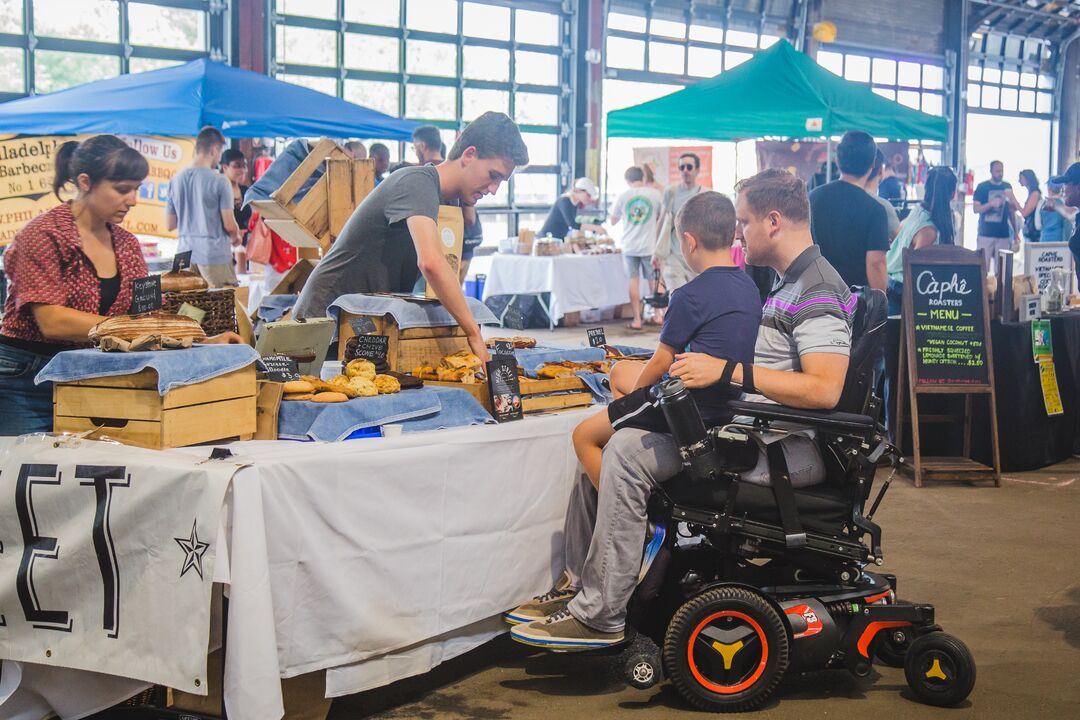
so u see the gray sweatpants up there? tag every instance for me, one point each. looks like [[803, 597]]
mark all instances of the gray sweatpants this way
[[605, 532]]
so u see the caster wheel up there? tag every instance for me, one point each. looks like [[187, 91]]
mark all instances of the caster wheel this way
[[939, 669], [892, 647], [643, 671], [726, 650]]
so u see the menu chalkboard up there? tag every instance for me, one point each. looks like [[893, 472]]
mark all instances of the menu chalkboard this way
[[948, 330], [362, 325], [279, 368], [504, 387], [503, 347], [512, 318], [596, 337], [370, 347], [181, 260], [145, 294]]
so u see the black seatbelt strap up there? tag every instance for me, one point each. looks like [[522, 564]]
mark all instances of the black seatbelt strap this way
[[794, 536], [725, 376]]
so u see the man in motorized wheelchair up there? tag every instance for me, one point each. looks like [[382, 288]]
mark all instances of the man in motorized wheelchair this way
[[769, 573]]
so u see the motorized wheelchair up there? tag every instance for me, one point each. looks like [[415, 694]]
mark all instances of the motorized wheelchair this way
[[743, 581]]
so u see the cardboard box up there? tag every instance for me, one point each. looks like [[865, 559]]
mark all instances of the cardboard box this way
[[451, 228]]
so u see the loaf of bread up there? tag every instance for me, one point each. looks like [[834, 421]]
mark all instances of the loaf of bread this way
[[128, 327], [182, 281]]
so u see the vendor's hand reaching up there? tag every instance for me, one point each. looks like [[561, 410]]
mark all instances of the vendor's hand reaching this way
[[697, 370], [479, 349], [225, 338]]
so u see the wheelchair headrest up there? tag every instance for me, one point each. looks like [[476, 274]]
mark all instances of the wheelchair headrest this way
[[867, 340]]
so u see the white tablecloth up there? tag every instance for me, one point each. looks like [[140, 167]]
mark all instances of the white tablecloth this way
[[576, 282], [374, 559]]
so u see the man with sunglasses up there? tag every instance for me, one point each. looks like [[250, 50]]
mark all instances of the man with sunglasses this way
[[668, 257]]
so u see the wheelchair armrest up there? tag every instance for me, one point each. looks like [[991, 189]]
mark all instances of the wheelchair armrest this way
[[827, 420]]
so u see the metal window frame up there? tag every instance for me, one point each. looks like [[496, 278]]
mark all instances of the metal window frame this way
[[216, 30], [988, 50], [897, 86], [561, 169]]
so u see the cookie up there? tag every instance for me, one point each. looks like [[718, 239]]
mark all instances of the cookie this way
[[387, 384], [330, 397], [361, 368], [297, 386], [299, 396]]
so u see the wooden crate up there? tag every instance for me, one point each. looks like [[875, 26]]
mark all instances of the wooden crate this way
[[407, 348], [129, 409], [536, 395]]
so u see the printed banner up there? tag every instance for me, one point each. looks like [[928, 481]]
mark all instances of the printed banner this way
[[1042, 258], [803, 159], [107, 557], [664, 162], [27, 170], [1050, 392]]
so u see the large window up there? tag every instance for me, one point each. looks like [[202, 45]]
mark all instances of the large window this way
[[1010, 74], [49, 45], [445, 62]]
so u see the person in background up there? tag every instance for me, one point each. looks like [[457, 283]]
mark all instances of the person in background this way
[[668, 256], [563, 216], [848, 225], [823, 174], [234, 167], [873, 187], [1055, 215], [428, 145], [356, 149], [1070, 188], [991, 203], [891, 187], [1028, 211], [639, 205], [200, 209], [69, 268], [262, 160], [380, 155]]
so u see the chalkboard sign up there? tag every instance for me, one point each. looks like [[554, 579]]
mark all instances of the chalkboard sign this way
[[181, 260], [597, 337], [145, 294], [371, 347], [278, 368], [504, 387], [512, 317], [504, 347], [362, 325], [947, 322]]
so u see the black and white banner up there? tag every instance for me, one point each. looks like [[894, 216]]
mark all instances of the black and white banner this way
[[106, 559]]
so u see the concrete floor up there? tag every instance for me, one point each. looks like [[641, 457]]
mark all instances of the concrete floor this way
[[1000, 565]]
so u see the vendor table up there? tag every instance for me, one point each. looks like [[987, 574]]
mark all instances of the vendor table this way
[[1029, 439], [373, 559], [575, 282]]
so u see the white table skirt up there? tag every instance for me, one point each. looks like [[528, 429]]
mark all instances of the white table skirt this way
[[576, 282], [374, 559]]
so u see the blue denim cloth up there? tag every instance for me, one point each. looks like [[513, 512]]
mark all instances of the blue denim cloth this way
[[408, 314], [24, 406], [280, 170], [273, 307], [596, 382], [427, 408], [174, 367]]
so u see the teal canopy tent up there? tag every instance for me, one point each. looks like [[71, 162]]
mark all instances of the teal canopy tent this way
[[778, 93]]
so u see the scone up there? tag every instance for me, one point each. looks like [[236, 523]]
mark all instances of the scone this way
[[387, 384], [363, 387], [297, 386], [299, 396], [330, 397], [361, 368], [319, 384]]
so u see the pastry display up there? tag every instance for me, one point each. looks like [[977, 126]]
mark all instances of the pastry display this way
[[461, 360], [360, 368], [329, 397], [520, 342], [551, 371], [130, 327], [387, 384], [569, 367], [293, 387], [362, 387]]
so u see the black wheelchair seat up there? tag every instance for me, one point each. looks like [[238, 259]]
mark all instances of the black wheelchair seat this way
[[841, 423]]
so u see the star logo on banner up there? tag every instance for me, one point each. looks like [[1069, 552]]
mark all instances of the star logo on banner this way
[[193, 549]]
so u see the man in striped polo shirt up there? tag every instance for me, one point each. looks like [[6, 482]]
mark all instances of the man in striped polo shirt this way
[[800, 359]]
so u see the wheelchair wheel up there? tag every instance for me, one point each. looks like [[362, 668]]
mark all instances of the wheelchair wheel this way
[[726, 650], [939, 669], [891, 647]]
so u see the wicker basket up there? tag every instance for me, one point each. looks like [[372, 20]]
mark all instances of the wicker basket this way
[[219, 306]]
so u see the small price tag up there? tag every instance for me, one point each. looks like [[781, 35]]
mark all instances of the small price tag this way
[[145, 294], [513, 318], [504, 347], [362, 325], [181, 261], [597, 337], [279, 368], [371, 347], [505, 388]]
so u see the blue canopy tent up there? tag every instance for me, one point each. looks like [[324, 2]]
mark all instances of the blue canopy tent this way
[[180, 100]]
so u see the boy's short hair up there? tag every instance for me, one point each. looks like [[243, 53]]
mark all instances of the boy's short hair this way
[[855, 153], [493, 134], [779, 190], [710, 217], [208, 138], [232, 155], [378, 149], [634, 174]]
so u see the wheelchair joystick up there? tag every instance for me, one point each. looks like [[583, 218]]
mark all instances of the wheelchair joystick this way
[[681, 412]]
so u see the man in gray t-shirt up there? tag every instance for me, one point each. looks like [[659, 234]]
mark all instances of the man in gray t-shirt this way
[[392, 236], [200, 209], [668, 256]]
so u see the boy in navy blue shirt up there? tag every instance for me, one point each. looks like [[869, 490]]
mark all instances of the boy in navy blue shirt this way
[[717, 313]]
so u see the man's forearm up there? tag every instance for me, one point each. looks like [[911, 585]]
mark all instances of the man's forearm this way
[[794, 389], [877, 275]]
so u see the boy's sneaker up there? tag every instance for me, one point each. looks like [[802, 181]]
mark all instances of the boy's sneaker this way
[[562, 631], [541, 606]]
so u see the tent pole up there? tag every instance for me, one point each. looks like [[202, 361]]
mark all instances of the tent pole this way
[[828, 159], [607, 160]]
